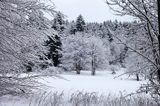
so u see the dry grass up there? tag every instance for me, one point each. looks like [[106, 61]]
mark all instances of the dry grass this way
[[90, 99]]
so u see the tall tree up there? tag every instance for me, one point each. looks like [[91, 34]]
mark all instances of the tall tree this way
[[54, 42]]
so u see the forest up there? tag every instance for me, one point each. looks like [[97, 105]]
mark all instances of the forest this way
[[58, 62]]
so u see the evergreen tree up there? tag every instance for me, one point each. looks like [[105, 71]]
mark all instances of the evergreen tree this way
[[58, 23], [57, 55], [54, 44], [80, 24]]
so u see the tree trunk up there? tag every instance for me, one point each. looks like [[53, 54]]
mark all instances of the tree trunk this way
[[137, 75], [78, 68], [93, 66], [78, 71], [93, 72], [158, 6]]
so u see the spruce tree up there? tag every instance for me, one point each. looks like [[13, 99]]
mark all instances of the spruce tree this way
[[80, 24], [57, 54], [54, 44]]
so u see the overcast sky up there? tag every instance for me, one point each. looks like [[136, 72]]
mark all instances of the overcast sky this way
[[92, 10]]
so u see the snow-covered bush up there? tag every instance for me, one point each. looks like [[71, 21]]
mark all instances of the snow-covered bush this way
[[51, 70]]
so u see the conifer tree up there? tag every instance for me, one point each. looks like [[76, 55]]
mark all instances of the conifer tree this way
[[54, 44], [80, 24]]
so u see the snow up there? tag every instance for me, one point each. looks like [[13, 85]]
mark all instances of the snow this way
[[103, 83]]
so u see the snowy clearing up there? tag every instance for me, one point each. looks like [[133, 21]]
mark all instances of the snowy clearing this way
[[103, 83]]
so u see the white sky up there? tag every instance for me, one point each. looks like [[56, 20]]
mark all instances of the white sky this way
[[91, 10]]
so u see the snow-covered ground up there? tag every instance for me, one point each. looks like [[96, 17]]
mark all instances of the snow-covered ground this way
[[103, 83]]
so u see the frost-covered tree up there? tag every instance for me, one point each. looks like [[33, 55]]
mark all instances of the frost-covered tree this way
[[146, 11], [83, 52], [97, 53], [74, 53], [21, 40]]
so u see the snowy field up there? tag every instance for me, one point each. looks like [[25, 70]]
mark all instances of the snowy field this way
[[103, 83]]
